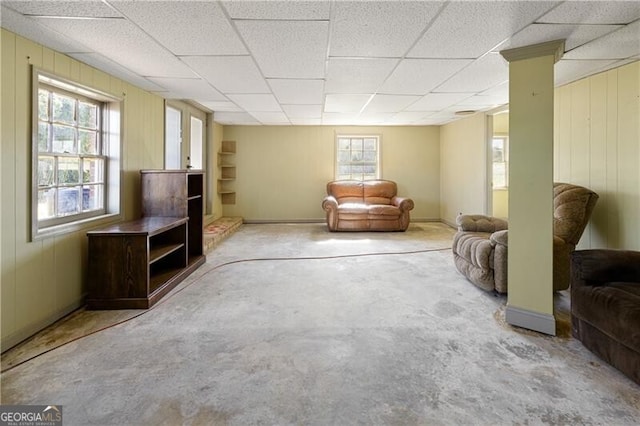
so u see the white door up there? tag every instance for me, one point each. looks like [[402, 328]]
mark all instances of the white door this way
[[173, 139], [184, 137]]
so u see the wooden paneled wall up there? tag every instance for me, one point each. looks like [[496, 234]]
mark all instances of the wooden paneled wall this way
[[43, 280]]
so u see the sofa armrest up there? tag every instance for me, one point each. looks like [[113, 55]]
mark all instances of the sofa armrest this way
[[330, 203], [404, 204], [480, 223], [594, 267], [500, 238]]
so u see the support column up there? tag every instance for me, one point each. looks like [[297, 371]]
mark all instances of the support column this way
[[530, 261]]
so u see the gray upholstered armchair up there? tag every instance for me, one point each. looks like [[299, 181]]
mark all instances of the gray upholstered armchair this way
[[480, 246]]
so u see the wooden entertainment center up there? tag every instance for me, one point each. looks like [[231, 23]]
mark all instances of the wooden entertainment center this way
[[133, 264]]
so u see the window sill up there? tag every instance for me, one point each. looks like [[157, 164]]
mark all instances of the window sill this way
[[80, 225]]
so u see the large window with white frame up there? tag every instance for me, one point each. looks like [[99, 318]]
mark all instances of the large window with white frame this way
[[357, 157], [76, 155], [500, 161]]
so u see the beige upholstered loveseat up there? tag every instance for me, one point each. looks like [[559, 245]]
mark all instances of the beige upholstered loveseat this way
[[481, 243], [370, 205]]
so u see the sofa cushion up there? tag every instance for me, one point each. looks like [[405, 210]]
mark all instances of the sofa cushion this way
[[353, 208], [379, 192], [613, 308], [346, 191], [384, 210]]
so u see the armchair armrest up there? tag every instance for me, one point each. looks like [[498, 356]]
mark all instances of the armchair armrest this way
[[330, 203], [404, 204], [480, 223], [592, 267], [500, 238]]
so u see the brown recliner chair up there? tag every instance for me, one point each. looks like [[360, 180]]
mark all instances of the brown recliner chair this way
[[605, 306], [480, 247]]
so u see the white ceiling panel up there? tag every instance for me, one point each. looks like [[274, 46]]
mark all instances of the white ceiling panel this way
[[482, 74], [302, 92], [306, 121], [437, 101], [420, 76], [287, 49], [593, 12], [229, 74], [271, 117], [570, 70], [499, 93], [303, 111], [345, 103], [470, 29], [221, 106], [185, 27], [100, 62], [278, 10], [234, 118], [389, 103], [335, 118], [80, 9], [408, 117], [29, 28], [265, 103], [619, 44], [357, 75], [574, 35], [379, 28], [374, 118], [122, 42], [477, 102], [188, 88]]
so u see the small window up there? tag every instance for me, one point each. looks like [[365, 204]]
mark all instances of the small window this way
[[76, 150], [357, 157], [500, 162]]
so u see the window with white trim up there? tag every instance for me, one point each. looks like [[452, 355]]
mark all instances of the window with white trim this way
[[357, 157], [500, 161], [76, 151]]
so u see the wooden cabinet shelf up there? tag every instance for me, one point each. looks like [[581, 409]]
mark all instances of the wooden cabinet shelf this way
[[133, 264], [227, 172]]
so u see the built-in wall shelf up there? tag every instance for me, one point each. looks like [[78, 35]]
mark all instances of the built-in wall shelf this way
[[227, 172]]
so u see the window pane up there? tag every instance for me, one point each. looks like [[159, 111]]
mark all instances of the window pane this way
[[92, 197], [63, 139], [92, 170], [43, 137], [499, 175], [46, 204], [43, 104], [356, 155], [343, 156], [344, 143], [68, 201], [63, 109], [370, 156], [356, 144], [87, 115], [88, 141], [370, 144], [46, 166], [68, 170]]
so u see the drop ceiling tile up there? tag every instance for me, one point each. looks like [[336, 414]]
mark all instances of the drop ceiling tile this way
[[306, 121], [377, 28], [567, 70], [121, 42], [31, 29], [185, 27], [287, 49], [620, 44], [221, 106], [335, 118], [593, 12], [104, 64], [470, 29], [270, 117], [84, 9], [437, 101], [291, 91], [574, 35], [229, 74], [420, 76], [486, 72], [359, 75], [407, 117], [345, 103], [499, 93], [282, 10], [374, 118], [258, 102], [188, 88], [238, 118], [477, 102], [389, 103], [303, 111]]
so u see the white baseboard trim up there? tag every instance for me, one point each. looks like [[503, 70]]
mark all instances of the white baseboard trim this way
[[542, 323]]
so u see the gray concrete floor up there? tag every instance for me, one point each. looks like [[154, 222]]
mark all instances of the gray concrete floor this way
[[291, 324]]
